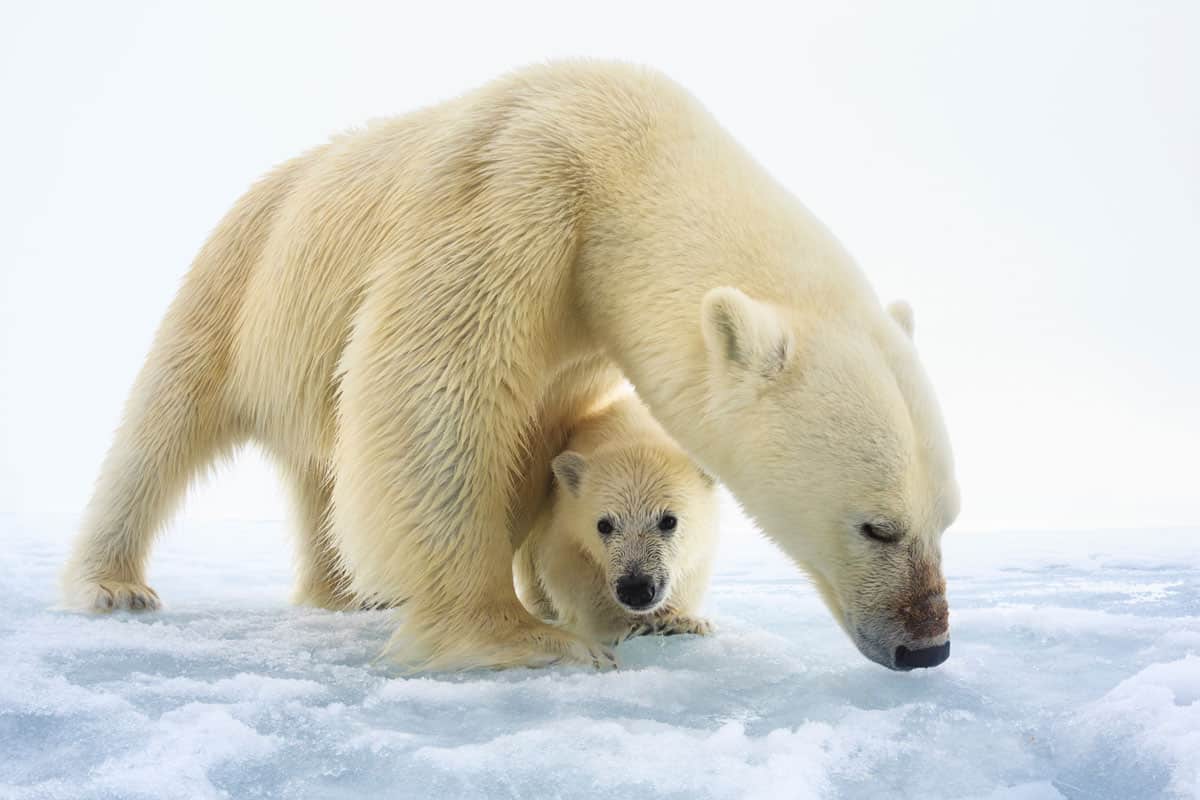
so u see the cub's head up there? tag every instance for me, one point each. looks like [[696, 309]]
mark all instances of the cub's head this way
[[827, 431], [640, 511]]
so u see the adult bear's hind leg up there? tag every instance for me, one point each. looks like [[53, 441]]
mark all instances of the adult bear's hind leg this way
[[320, 581], [174, 426]]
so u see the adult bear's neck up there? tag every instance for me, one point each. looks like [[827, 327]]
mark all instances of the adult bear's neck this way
[[697, 215]]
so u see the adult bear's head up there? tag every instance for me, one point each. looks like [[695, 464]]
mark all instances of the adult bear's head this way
[[835, 445]]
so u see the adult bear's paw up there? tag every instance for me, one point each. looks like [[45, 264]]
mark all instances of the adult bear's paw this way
[[490, 639], [105, 596], [545, 645]]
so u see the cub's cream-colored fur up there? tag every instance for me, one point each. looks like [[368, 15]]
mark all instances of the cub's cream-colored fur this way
[[411, 316], [659, 513]]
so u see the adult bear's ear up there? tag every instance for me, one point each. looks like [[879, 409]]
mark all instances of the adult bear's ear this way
[[902, 313], [744, 333], [569, 467]]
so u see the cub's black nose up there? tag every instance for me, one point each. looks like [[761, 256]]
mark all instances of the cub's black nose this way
[[925, 657], [636, 591]]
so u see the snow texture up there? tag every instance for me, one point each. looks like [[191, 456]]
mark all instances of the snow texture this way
[[1075, 673]]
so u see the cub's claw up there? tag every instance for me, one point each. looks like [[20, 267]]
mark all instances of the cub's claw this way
[[604, 660], [672, 626]]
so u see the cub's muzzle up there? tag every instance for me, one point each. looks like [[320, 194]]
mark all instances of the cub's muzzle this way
[[637, 592]]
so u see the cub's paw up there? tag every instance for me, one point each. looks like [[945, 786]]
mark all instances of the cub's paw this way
[[673, 626], [105, 596]]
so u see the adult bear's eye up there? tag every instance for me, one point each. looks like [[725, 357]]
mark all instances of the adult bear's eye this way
[[605, 526], [880, 532], [667, 523]]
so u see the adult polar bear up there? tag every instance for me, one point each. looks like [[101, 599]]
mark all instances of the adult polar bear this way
[[410, 317]]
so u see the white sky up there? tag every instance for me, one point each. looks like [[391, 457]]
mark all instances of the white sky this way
[[1026, 174]]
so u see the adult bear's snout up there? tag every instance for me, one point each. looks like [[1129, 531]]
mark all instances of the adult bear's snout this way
[[925, 657]]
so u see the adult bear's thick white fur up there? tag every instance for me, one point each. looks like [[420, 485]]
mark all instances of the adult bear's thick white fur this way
[[410, 317]]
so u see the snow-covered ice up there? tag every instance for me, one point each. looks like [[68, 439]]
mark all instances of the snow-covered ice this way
[[1075, 673]]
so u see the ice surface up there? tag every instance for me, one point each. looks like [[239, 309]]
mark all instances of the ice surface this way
[[1075, 673]]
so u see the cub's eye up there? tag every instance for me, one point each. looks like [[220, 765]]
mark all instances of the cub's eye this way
[[880, 532], [667, 523], [605, 526]]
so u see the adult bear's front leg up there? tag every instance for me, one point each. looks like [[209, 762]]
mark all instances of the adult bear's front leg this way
[[423, 462]]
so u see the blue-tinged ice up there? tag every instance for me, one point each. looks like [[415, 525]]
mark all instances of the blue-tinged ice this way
[[1075, 673]]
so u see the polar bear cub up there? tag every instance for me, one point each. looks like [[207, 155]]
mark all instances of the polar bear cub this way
[[624, 546]]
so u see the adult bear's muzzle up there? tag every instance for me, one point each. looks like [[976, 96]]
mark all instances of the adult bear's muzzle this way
[[906, 659]]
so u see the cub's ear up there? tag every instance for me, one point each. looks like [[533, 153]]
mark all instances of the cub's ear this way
[[569, 467], [745, 333], [903, 314]]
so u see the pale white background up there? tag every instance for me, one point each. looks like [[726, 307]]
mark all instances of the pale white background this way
[[1027, 174]]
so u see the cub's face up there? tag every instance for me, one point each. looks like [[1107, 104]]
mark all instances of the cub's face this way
[[638, 512], [829, 435]]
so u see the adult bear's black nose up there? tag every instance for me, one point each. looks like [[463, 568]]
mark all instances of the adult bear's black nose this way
[[636, 591], [925, 657]]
